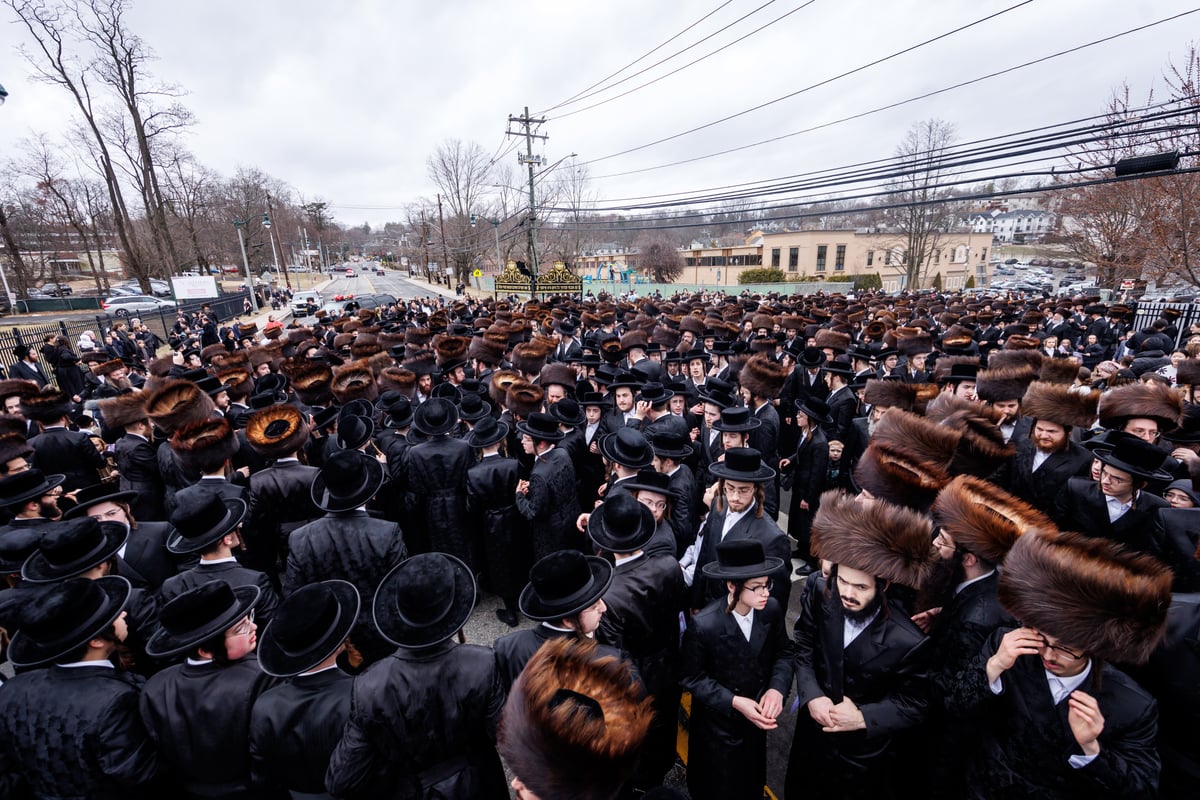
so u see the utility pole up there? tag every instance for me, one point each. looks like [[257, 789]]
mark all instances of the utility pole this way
[[239, 224], [531, 161], [425, 246], [445, 255], [276, 241]]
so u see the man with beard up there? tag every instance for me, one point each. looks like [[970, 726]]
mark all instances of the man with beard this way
[[860, 665], [31, 497], [1003, 389], [1048, 458]]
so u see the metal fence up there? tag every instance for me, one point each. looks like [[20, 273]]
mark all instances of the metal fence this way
[[34, 336], [225, 307], [1189, 313]]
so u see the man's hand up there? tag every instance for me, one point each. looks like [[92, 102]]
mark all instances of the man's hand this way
[[845, 716], [749, 709], [581, 522], [771, 704], [641, 408], [924, 620], [784, 463], [1016, 643], [820, 708], [1087, 723], [522, 487], [1185, 456]]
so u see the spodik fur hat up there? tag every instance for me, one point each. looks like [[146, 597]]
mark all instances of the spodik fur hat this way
[[178, 403], [879, 538], [762, 377], [984, 519], [890, 474], [1002, 384], [1060, 404], [1154, 400]]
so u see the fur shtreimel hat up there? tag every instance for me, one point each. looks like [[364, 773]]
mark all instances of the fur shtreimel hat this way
[[1154, 400], [917, 437], [1060, 404], [311, 383], [486, 350], [879, 538], [398, 380], [18, 387], [1008, 383], [562, 374], [523, 398], [529, 357], [355, 381], [178, 403], [1187, 372], [887, 472], [48, 405], [836, 341], [109, 367], [123, 410], [451, 350], [277, 431], [914, 344], [1014, 359], [574, 724], [498, 385], [763, 377], [1089, 593], [982, 449], [891, 394], [1059, 370], [984, 519], [946, 364], [202, 444]]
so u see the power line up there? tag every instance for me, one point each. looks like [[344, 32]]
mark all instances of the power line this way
[[723, 47], [647, 54], [825, 82]]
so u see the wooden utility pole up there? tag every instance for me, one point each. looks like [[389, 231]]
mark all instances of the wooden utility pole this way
[[442, 228], [425, 247], [531, 161]]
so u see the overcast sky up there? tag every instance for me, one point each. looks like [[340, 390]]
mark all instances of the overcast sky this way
[[346, 100]]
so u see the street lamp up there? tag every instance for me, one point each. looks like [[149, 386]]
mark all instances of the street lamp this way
[[239, 224], [3, 95]]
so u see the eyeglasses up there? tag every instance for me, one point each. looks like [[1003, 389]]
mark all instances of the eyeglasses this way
[[655, 505], [739, 491], [1071, 654], [242, 628], [1108, 477], [942, 540], [760, 588]]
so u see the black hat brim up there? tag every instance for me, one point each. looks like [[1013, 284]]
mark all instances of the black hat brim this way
[[23, 652], [80, 509], [1109, 457], [546, 436], [235, 512], [371, 484], [37, 569], [721, 572], [605, 447], [165, 644], [385, 609], [498, 435], [538, 610], [823, 419], [763, 473], [600, 535], [275, 661], [49, 483]]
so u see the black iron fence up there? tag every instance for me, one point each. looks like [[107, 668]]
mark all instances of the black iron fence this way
[[162, 320], [34, 336], [1189, 313]]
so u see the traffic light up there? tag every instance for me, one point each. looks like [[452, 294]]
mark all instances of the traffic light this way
[[472, 220], [266, 220]]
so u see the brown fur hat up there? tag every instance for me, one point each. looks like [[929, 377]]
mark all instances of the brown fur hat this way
[[397, 379], [693, 324], [48, 405], [178, 403], [998, 385], [914, 344], [1089, 593], [1059, 370], [123, 410], [451, 350], [354, 381], [921, 439], [763, 376], [529, 357], [259, 356], [1014, 359], [277, 431], [1153, 400], [159, 367], [981, 450], [239, 381], [890, 474], [485, 350], [633, 339], [1187, 372], [422, 362], [204, 446], [984, 519], [238, 358], [13, 445], [498, 385], [1018, 342], [879, 538], [524, 398], [18, 387], [311, 383], [1060, 404], [365, 345], [211, 351], [836, 341], [956, 336], [562, 374], [574, 722], [111, 366], [891, 394], [379, 362]]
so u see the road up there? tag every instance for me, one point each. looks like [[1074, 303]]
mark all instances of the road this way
[[393, 283]]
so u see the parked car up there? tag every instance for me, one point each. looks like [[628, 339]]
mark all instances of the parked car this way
[[34, 293], [134, 304], [1010, 261], [299, 304], [57, 289]]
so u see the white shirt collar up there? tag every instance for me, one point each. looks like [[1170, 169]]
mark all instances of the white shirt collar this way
[[746, 623], [1060, 687], [622, 558], [208, 562], [199, 662], [318, 671], [852, 629], [731, 519], [102, 662]]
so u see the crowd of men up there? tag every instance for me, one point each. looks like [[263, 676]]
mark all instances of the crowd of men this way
[[242, 569]]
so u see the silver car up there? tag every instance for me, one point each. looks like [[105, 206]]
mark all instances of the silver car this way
[[133, 304]]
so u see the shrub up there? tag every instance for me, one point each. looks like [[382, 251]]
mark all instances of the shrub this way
[[761, 275]]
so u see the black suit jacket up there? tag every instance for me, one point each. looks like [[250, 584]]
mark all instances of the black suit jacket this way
[[513, 650], [29, 372], [552, 505], [768, 534], [1174, 541], [843, 406], [1040, 489], [137, 464], [1081, 507], [232, 573], [146, 551], [280, 502], [71, 453]]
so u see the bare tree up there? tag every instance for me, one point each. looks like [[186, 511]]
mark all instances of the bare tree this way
[[658, 256], [926, 214], [463, 173], [570, 191]]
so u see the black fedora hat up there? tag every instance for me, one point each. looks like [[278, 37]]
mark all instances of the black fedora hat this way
[[839, 367], [628, 448], [200, 519], [564, 583], [65, 616], [695, 354], [354, 430], [447, 390], [16, 546], [539, 425], [96, 494], [621, 524], [435, 417], [595, 399], [742, 464], [670, 444], [359, 407], [424, 600], [568, 412], [816, 410], [655, 394], [212, 386], [962, 372], [21, 487], [736, 420], [718, 392], [397, 409], [1135, 456], [740, 560], [309, 625], [627, 380], [199, 614], [472, 408], [71, 548], [649, 480], [348, 479], [487, 432]]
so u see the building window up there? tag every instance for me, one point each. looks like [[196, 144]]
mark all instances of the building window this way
[[870, 257], [821, 252], [793, 258], [983, 254], [937, 256], [839, 260], [774, 256]]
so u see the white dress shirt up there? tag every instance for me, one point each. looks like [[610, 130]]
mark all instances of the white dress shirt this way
[[744, 623], [1060, 690], [731, 519], [1116, 509], [851, 629]]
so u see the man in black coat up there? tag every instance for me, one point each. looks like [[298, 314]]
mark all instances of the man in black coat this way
[[27, 367], [1174, 541], [72, 729], [641, 617], [548, 500], [861, 665], [842, 403], [762, 380], [423, 721], [294, 727], [435, 483], [145, 550], [58, 449], [137, 463], [804, 472]]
